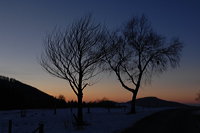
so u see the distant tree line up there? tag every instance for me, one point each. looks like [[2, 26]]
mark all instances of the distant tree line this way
[[92, 104]]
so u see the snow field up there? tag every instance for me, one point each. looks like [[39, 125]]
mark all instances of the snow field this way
[[99, 120]]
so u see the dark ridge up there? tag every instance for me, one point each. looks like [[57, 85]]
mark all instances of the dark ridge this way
[[17, 95], [156, 102]]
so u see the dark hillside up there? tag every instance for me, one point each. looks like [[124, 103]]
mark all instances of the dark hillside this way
[[156, 102], [17, 95]]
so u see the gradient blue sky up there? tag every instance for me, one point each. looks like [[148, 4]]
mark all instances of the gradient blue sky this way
[[25, 23]]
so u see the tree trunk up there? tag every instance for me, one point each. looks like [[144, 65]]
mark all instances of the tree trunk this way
[[133, 110], [80, 108], [134, 92]]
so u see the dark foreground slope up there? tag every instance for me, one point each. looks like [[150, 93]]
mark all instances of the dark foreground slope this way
[[182, 120], [17, 95]]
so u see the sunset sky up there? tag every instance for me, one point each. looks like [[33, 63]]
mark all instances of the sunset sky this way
[[25, 23]]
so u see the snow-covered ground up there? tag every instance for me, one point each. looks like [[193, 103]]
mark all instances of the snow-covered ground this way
[[99, 120]]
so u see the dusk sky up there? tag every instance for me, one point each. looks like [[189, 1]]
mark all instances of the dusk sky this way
[[25, 23]]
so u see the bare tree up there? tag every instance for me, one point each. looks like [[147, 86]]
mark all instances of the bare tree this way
[[61, 98], [198, 96], [74, 55], [138, 53]]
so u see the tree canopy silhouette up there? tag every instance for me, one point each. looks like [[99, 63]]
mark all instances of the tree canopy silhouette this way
[[137, 53], [74, 55]]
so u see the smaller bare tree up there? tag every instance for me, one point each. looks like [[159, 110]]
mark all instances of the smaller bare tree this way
[[198, 96], [137, 52], [74, 55], [61, 98]]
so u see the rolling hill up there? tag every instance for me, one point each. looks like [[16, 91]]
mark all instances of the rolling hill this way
[[156, 102], [17, 95]]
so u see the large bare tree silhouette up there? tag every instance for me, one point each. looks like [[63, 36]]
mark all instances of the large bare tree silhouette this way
[[137, 53], [74, 55]]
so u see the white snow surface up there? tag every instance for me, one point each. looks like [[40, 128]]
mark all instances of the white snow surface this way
[[99, 120]]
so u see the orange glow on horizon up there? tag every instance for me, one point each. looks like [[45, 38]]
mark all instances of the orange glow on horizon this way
[[112, 90], [122, 97]]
